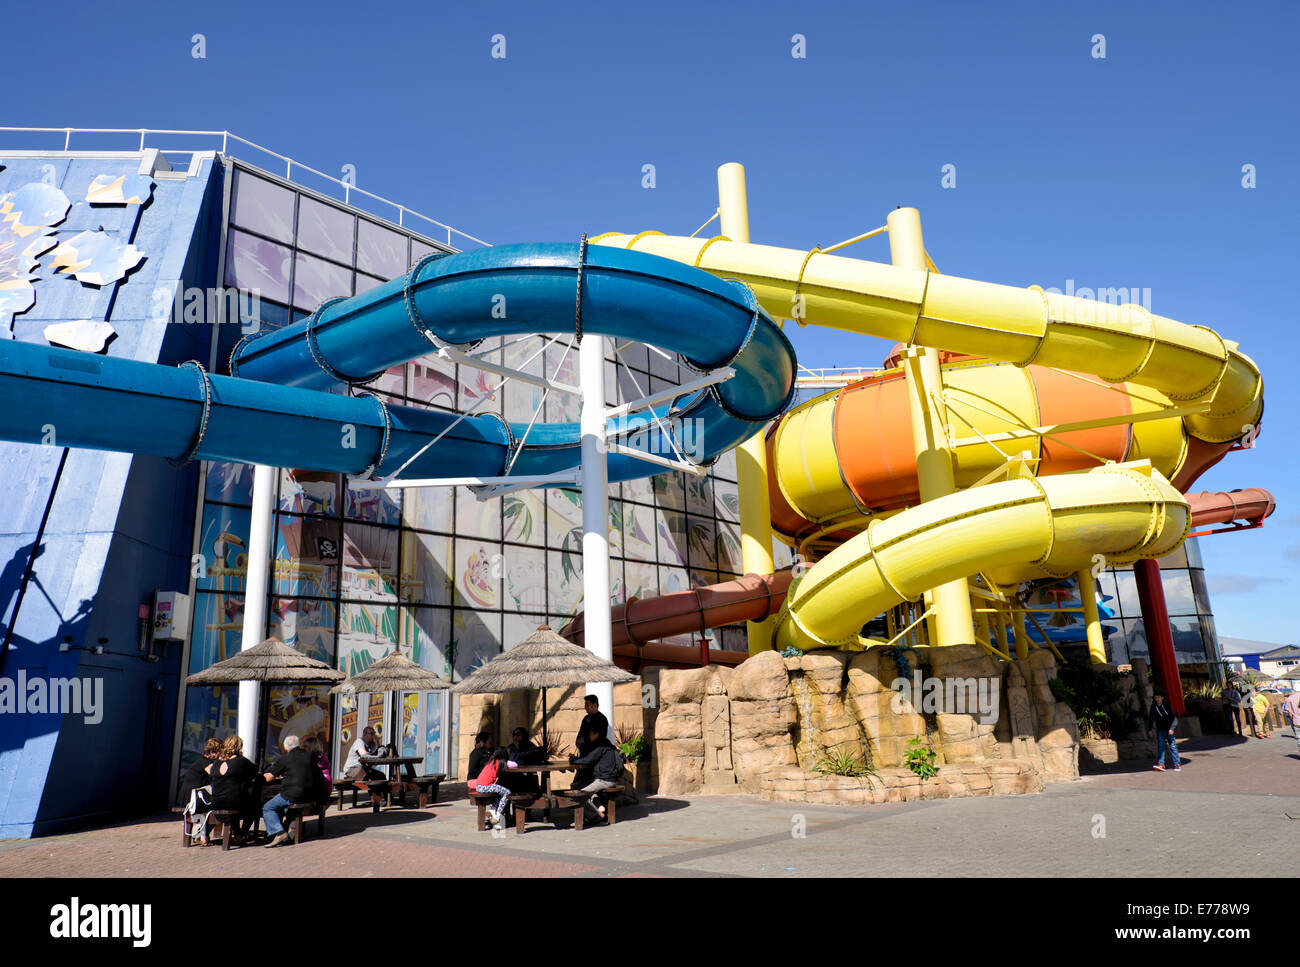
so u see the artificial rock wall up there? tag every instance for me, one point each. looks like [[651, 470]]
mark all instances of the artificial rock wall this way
[[767, 725]]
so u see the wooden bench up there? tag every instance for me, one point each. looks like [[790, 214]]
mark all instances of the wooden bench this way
[[227, 817], [346, 785], [482, 800], [426, 786], [296, 812], [380, 790], [521, 802], [577, 800]]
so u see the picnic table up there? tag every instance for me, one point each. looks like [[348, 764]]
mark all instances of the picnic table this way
[[548, 798], [407, 780]]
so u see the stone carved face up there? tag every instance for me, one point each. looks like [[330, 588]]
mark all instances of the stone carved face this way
[[715, 686]]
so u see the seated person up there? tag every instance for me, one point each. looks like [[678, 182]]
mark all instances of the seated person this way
[[488, 781], [524, 752], [479, 755], [299, 786], [235, 783], [606, 767], [196, 790], [367, 744], [594, 719]]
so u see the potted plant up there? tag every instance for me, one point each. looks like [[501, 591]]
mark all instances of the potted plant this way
[[635, 751]]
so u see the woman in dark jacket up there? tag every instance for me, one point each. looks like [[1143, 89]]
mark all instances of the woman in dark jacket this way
[[235, 781]]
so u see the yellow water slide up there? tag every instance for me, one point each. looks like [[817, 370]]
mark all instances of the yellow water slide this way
[[1011, 530]]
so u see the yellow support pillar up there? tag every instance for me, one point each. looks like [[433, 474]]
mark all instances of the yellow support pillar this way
[[1022, 636], [1088, 595], [952, 619], [751, 456]]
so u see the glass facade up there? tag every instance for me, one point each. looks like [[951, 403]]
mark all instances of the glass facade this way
[[1191, 620], [449, 579]]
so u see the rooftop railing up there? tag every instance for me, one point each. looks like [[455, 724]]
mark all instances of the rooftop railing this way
[[233, 146]]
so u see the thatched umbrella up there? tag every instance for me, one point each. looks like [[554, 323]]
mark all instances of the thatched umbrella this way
[[392, 673], [271, 661], [542, 660]]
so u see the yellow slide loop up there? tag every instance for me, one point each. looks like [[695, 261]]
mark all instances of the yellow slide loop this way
[[1002, 323], [1002, 529]]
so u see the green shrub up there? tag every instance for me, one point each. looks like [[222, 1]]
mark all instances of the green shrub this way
[[842, 762], [920, 759]]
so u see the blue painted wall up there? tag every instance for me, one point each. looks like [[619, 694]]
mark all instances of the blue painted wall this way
[[118, 526]]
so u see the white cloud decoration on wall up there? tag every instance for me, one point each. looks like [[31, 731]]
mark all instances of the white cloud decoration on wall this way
[[96, 258]]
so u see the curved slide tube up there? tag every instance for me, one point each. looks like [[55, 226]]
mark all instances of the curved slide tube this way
[[183, 413], [511, 290], [1123, 343], [755, 597]]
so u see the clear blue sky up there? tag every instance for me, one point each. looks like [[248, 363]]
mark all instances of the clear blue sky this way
[[1117, 172]]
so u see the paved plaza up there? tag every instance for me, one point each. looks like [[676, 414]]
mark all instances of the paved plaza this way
[[1231, 792]]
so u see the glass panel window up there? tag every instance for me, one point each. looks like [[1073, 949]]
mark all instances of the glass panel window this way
[[563, 518], [325, 230], [373, 506], [702, 542], [564, 581], [477, 518], [524, 517], [223, 548], [429, 508], [670, 526], [1179, 599], [419, 250], [1126, 585], [307, 624], [525, 579], [259, 266], [369, 562], [432, 380], [367, 633], [380, 251], [262, 206], [642, 579], [426, 568], [306, 556], [479, 565], [229, 483], [477, 639], [309, 492], [301, 710], [426, 638], [316, 280], [366, 282]]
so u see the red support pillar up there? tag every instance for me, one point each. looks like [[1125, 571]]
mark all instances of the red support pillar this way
[[1160, 641]]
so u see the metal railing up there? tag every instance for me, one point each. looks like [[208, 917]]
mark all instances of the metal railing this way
[[229, 146]]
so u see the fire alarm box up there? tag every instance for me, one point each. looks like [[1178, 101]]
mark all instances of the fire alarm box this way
[[171, 615]]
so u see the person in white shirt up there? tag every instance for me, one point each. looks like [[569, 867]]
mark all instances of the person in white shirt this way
[[366, 744]]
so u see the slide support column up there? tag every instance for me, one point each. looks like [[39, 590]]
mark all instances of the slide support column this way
[[751, 456], [1091, 617], [1155, 620], [255, 587], [597, 632], [952, 623]]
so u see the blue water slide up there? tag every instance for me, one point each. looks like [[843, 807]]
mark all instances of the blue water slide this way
[[275, 408]]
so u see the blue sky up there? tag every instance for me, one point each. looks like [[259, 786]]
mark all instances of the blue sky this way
[[1117, 172]]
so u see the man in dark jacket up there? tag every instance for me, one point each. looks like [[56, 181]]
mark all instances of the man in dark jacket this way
[[605, 765], [1162, 720], [594, 719], [298, 771]]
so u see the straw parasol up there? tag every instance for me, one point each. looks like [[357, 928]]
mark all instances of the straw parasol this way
[[542, 660], [271, 661], [392, 673]]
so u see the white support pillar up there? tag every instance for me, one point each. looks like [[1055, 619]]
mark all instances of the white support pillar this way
[[594, 478], [255, 585]]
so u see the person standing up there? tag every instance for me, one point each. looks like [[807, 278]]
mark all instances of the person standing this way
[[1260, 704], [1292, 705], [1162, 720], [1232, 698]]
